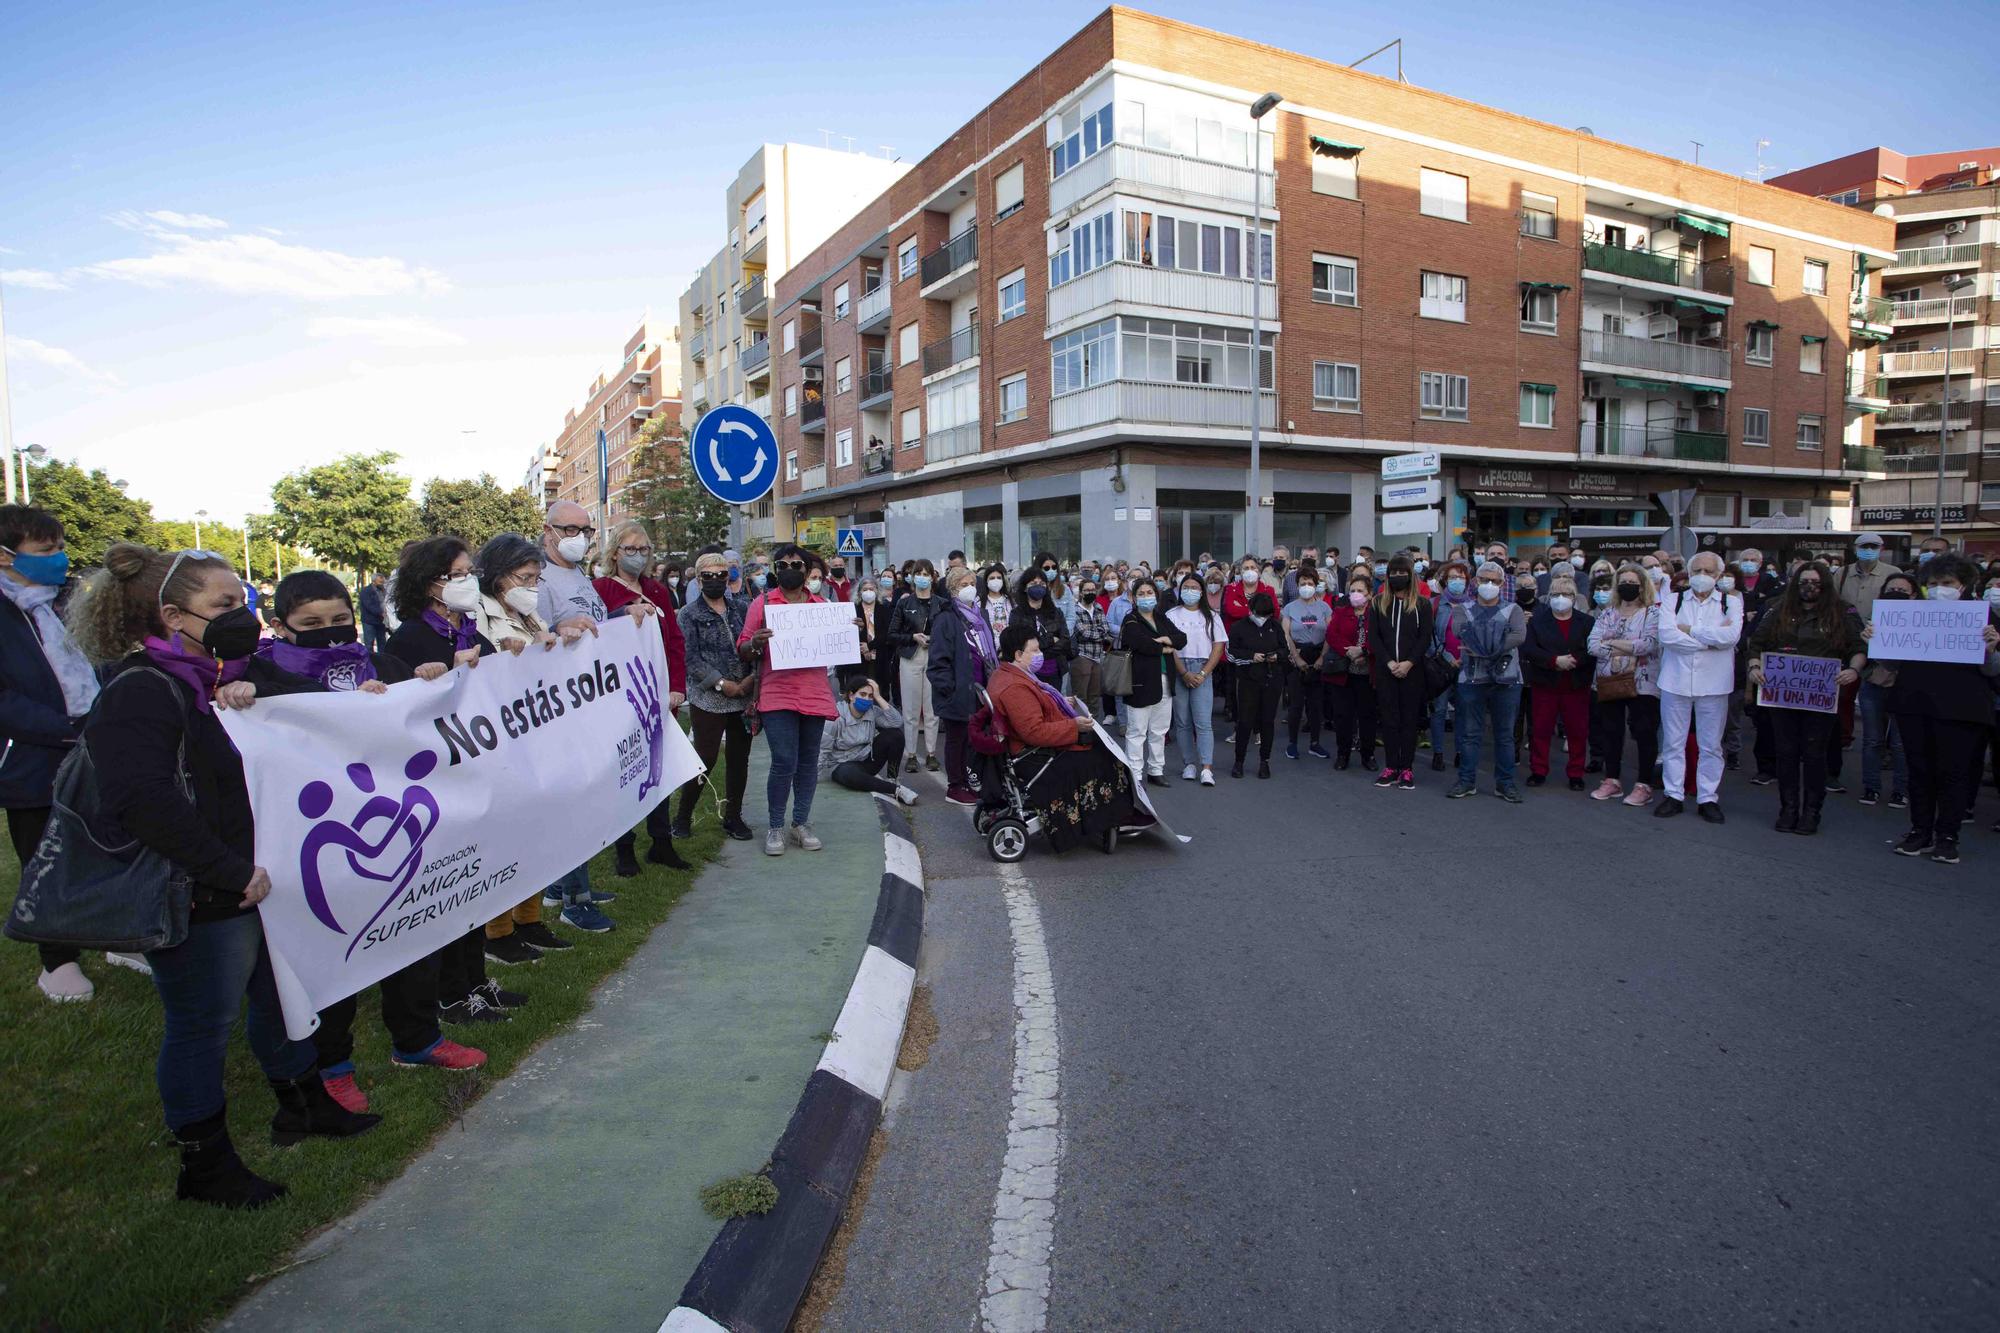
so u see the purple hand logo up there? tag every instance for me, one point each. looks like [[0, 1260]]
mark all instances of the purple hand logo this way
[[644, 695], [412, 818]]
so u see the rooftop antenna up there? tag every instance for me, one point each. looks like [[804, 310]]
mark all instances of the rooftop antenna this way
[[1697, 151], [826, 138], [1762, 144], [886, 149], [850, 141], [1398, 44]]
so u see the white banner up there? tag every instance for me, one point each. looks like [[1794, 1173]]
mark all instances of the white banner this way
[[1929, 631], [812, 634], [392, 824]]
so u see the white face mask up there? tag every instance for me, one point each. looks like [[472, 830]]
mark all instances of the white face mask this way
[[1357, 599], [1577, 561], [461, 593], [814, 586], [1702, 582], [868, 595], [1561, 604], [1489, 592], [1249, 576], [1726, 583], [1258, 620], [968, 594], [522, 601], [1308, 591], [1111, 585], [573, 549], [1940, 593], [995, 585]]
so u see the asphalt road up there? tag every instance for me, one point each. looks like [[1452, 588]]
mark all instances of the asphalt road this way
[[1356, 1059]]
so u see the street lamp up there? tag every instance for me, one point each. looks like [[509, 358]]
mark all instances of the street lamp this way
[[199, 515], [34, 453], [1952, 287], [1258, 110]]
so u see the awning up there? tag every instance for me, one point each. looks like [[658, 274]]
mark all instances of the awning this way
[[1873, 335], [1709, 225], [1545, 388], [1658, 386], [1333, 147], [1762, 324], [1872, 409], [1811, 338], [1547, 286], [1703, 306], [1508, 498], [1627, 502]]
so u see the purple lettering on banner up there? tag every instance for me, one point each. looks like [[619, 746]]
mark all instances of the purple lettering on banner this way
[[1810, 684], [644, 695]]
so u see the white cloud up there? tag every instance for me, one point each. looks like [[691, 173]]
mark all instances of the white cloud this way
[[166, 217], [39, 279], [262, 266], [386, 331], [58, 359]]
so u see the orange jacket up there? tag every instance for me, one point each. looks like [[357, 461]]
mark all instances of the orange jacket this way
[[1030, 716]]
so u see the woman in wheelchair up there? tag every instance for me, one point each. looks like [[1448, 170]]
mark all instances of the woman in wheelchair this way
[[1083, 793]]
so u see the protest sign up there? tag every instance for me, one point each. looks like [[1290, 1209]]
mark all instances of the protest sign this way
[[1805, 683], [392, 824], [812, 634], [1929, 631]]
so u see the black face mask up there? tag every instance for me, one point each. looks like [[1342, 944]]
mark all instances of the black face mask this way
[[1628, 592], [1277, 566], [1892, 595], [326, 636], [1524, 596], [791, 580], [1809, 595], [1399, 582], [233, 634], [714, 585]]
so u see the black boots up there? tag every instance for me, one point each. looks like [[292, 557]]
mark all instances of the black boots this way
[[628, 864], [306, 1108], [1809, 815], [211, 1172], [662, 853]]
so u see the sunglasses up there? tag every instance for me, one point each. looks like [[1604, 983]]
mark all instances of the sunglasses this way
[[789, 564], [174, 568]]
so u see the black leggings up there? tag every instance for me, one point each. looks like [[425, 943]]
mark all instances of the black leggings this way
[[866, 775], [1612, 718], [955, 746], [1258, 689], [24, 830], [1942, 755], [725, 732], [409, 1011], [1308, 696], [1803, 740], [1400, 703], [1351, 700]]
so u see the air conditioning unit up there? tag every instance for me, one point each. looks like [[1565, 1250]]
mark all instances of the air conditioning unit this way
[[1593, 387], [813, 374], [1708, 400], [1712, 329], [1660, 307]]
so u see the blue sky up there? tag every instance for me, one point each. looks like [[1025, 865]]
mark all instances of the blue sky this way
[[236, 240]]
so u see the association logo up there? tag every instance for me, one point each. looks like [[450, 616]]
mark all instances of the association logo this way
[[382, 840], [642, 691]]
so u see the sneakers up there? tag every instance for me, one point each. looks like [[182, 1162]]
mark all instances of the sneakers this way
[[803, 835], [1898, 801], [1946, 853], [1668, 808], [956, 795], [910, 765], [509, 950], [1710, 812], [1594, 766], [586, 917], [1537, 779], [343, 1089], [136, 961], [1576, 784], [1408, 781], [1317, 751], [1915, 844], [1437, 762], [905, 795], [1388, 778], [1460, 790], [1187, 774], [1208, 777], [1157, 780], [1642, 795], [1608, 790], [1763, 779], [1509, 793], [774, 842], [445, 1054], [1835, 786], [490, 990], [681, 828], [474, 1008], [1868, 796], [1236, 769], [738, 830], [931, 764], [537, 935], [65, 985], [1263, 768], [601, 898], [1292, 750]]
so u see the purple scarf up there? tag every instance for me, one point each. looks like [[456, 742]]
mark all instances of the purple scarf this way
[[345, 666], [980, 636], [1056, 694], [201, 673], [465, 636]]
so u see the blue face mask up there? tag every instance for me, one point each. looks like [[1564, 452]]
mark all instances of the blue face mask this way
[[1602, 597], [1189, 596], [1381, 568], [1146, 602], [921, 582], [1456, 587], [47, 570], [1867, 555], [1924, 557], [735, 573], [1748, 566], [861, 703], [757, 580]]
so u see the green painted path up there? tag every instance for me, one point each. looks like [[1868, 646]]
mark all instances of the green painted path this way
[[569, 1197]]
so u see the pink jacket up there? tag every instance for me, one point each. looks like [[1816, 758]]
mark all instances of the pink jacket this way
[[803, 690]]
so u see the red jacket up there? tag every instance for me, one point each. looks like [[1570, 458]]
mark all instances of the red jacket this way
[[1236, 601], [1029, 714], [1347, 628], [617, 597]]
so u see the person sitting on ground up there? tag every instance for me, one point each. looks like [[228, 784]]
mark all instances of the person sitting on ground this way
[[866, 739]]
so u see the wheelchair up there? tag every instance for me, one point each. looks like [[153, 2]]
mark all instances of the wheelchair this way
[[1006, 816]]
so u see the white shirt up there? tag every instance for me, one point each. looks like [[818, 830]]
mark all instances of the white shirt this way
[[1191, 622], [1702, 659]]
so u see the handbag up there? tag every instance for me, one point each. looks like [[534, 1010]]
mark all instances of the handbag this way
[[1616, 686], [92, 885], [1118, 673]]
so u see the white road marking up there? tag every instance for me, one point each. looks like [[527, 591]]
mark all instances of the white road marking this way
[[682, 1319], [1016, 1298]]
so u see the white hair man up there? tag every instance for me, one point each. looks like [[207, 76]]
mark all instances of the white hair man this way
[[1699, 630]]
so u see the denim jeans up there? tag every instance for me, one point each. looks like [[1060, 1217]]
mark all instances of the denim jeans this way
[[1440, 710], [1474, 701], [794, 741], [1877, 726], [573, 887], [202, 982], [1194, 718]]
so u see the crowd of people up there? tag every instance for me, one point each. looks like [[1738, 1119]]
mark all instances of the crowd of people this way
[[963, 671]]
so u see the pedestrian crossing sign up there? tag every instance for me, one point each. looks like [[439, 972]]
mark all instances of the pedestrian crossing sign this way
[[848, 542]]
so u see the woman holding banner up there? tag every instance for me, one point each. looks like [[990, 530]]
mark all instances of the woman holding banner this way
[[1810, 621], [795, 705]]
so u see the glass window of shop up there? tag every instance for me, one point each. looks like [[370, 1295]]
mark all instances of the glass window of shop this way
[[1054, 524], [983, 534], [1305, 519], [1192, 522]]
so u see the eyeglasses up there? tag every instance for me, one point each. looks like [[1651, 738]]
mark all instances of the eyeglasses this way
[[174, 568], [573, 529], [635, 550]]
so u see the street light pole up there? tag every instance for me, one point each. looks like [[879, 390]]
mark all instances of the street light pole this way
[[1251, 533], [33, 453], [199, 515], [1952, 287], [7, 413]]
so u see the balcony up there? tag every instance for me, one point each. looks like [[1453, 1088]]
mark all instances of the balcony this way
[[1144, 285], [1874, 312], [1934, 310], [1615, 262], [875, 388], [952, 267], [1192, 180], [875, 461], [1619, 351], [951, 442], [1613, 439], [1153, 403], [753, 298], [1923, 417], [948, 353], [1956, 463], [757, 359], [812, 478], [812, 344], [1862, 458], [761, 405], [873, 311], [753, 241], [697, 392], [639, 412], [698, 346], [812, 415], [1963, 360], [1937, 256]]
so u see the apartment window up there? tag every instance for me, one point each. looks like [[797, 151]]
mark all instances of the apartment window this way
[[791, 335], [1755, 508], [1756, 426], [843, 448], [1538, 405], [1013, 398], [1007, 191], [1538, 215], [840, 294], [1989, 495], [1085, 357], [913, 427], [791, 400], [1760, 344], [906, 258], [1809, 431], [1814, 277], [1336, 280], [1715, 511], [1165, 240], [1176, 352], [1013, 295], [1848, 197], [1442, 194], [843, 374], [1812, 355], [1336, 386], [791, 465], [1081, 248], [1444, 397], [1443, 297], [906, 344], [1076, 136], [1763, 263], [1538, 309], [1335, 168]]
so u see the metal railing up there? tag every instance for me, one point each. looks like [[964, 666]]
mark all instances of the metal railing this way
[[876, 460], [752, 295], [1938, 254], [1926, 415], [1231, 182], [1936, 309], [1867, 386], [1672, 269], [951, 442], [1615, 439], [1926, 464], [1872, 310], [1929, 363], [875, 383], [698, 345], [812, 341], [756, 356], [812, 413], [960, 346], [873, 307], [952, 256], [1863, 458], [1657, 354]]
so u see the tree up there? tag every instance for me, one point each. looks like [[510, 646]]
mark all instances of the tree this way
[[94, 512], [662, 492], [353, 511], [477, 510]]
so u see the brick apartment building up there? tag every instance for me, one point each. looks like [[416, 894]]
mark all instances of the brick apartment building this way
[[1943, 287], [620, 402], [1040, 338]]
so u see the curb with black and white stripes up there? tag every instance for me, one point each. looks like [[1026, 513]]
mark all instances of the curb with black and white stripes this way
[[758, 1268]]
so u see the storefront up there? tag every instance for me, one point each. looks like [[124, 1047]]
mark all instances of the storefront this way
[[1531, 508]]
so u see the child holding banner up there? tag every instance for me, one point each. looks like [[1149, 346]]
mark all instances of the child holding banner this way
[[1810, 621]]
